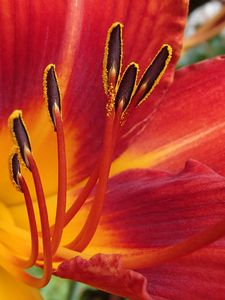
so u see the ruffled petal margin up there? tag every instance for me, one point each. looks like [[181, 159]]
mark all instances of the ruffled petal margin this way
[[105, 272]]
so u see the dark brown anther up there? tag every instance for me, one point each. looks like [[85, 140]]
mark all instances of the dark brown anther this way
[[153, 74], [51, 91], [15, 169], [126, 86], [112, 57], [20, 134]]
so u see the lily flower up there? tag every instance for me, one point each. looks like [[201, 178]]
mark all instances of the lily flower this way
[[134, 232]]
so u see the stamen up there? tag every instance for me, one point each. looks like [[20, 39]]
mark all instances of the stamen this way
[[32, 222], [84, 194], [158, 257], [119, 95], [52, 96], [22, 186], [14, 168], [87, 232], [47, 252], [153, 74], [112, 57], [126, 86], [62, 182], [51, 91], [86, 191], [19, 134]]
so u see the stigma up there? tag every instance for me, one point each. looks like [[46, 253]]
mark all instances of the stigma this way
[[124, 92]]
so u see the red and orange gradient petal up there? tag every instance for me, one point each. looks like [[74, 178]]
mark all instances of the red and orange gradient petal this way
[[157, 210], [189, 123], [72, 36], [147, 26]]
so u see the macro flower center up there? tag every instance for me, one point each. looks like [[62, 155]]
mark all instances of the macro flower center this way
[[123, 95]]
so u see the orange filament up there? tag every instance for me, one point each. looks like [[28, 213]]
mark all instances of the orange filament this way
[[158, 257], [46, 238], [62, 181], [33, 226], [86, 234], [82, 197], [85, 192]]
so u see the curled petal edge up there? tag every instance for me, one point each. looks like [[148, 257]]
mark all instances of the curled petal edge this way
[[106, 273]]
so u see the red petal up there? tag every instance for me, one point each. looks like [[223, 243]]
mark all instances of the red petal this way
[[145, 210], [105, 272], [197, 276], [147, 26], [32, 35], [188, 124], [152, 208], [72, 35]]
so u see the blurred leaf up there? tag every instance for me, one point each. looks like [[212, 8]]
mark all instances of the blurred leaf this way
[[211, 48]]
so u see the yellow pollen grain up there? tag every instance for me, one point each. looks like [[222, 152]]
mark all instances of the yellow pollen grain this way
[[111, 101]]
